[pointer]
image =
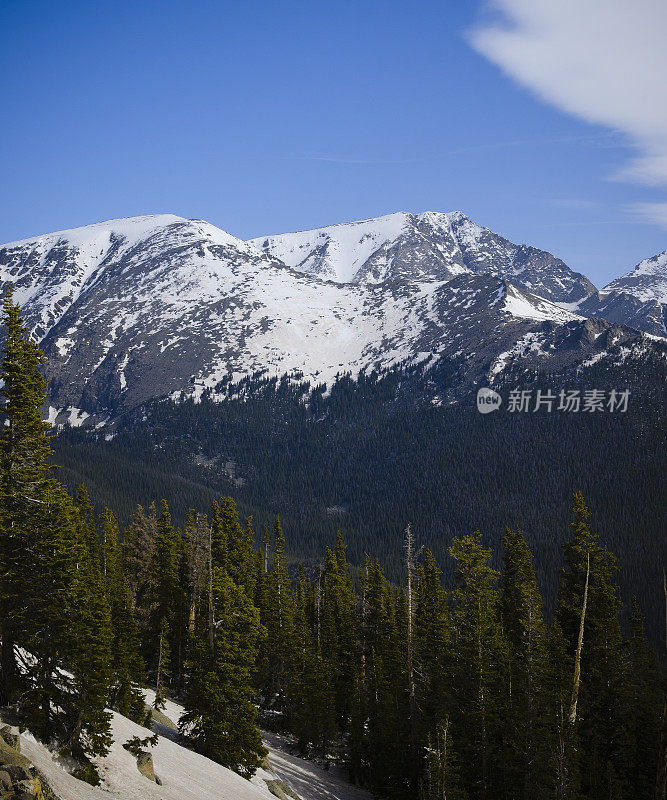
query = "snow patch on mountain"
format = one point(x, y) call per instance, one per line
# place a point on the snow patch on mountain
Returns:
point(336, 252)
point(427, 246)
point(647, 281)
point(150, 307)
point(521, 304)
point(184, 774)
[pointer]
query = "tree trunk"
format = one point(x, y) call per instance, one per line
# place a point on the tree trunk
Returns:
point(7, 665)
point(580, 643)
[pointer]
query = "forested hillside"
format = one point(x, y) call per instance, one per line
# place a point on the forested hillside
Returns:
point(424, 688)
point(368, 455)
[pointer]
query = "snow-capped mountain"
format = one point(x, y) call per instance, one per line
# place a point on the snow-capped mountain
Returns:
point(647, 281)
point(135, 309)
point(428, 246)
point(638, 299)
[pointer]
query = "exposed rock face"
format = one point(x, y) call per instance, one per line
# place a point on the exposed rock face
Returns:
point(163, 719)
point(281, 790)
point(624, 308)
point(647, 281)
point(145, 766)
point(422, 247)
point(638, 299)
point(19, 779)
point(150, 307)
point(10, 738)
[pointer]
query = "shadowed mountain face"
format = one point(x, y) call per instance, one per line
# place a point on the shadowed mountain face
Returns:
point(638, 299)
point(148, 307)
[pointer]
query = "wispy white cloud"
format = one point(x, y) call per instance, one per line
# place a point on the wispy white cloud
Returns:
point(653, 213)
point(604, 61)
point(596, 139)
point(573, 203)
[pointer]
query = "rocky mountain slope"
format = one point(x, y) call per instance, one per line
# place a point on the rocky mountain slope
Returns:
point(429, 246)
point(134, 309)
point(638, 299)
point(647, 281)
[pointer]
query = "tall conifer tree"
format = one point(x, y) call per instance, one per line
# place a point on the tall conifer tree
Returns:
point(603, 705)
point(526, 743)
point(478, 644)
point(54, 614)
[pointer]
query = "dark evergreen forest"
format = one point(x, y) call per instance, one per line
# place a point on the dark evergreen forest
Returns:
point(371, 454)
point(446, 681)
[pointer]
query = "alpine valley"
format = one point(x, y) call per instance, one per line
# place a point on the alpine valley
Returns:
point(332, 374)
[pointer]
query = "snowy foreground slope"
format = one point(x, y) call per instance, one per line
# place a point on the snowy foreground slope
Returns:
point(185, 775)
point(160, 306)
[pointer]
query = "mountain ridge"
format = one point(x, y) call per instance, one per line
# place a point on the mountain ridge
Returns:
point(427, 246)
point(162, 306)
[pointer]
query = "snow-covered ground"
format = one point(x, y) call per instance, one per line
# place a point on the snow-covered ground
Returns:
point(308, 780)
point(186, 775)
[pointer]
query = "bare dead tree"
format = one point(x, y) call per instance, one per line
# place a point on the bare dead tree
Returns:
point(580, 644)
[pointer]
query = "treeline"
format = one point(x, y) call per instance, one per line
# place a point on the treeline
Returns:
point(424, 690)
point(375, 451)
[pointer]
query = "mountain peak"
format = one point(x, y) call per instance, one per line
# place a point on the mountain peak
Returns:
point(647, 280)
point(130, 227)
point(155, 306)
point(429, 246)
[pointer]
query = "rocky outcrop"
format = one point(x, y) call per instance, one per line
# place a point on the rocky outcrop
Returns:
point(281, 790)
point(145, 766)
point(162, 719)
point(19, 778)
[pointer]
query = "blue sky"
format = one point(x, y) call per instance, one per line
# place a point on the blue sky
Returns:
point(264, 117)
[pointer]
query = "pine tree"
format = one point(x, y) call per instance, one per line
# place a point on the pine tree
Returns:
point(442, 775)
point(565, 778)
point(162, 671)
point(197, 537)
point(385, 679)
point(89, 654)
point(336, 626)
point(139, 545)
point(128, 666)
point(54, 614)
point(645, 707)
point(239, 543)
point(434, 655)
point(603, 704)
point(478, 645)
point(220, 716)
point(24, 453)
point(526, 742)
point(277, 617)
point(167, 598)
point(87, 524)
point(310, 694)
